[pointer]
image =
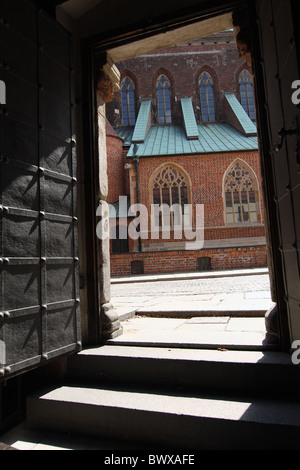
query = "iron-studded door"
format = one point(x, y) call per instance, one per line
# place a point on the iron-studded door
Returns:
point(280, 69)
point(39, 306)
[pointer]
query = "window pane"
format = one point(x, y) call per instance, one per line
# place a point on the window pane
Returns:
point(163, 100)
point(184, 195)
point(203, 93)
point(165, 196)
point(229, 208)
point(175, 195)
point(170, 188)
point(160, 103)
point(253, 208)
point(237, 206)
point(156, 196)
point(245, 207)
point(124, 107)
point(247, 94)
point(252, 197)
point(167, 105)
point(207, 98)
point(211, 113)
point(167, 93)
point(228, 200)
point(128, 106)
point(230, 218)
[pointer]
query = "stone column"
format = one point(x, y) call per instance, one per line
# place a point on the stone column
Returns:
point(107, 82)
point(242, 35)
point(243, 43)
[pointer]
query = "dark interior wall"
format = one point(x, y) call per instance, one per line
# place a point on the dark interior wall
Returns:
point(119, 15)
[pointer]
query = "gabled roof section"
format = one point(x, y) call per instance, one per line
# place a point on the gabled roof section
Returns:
point(126, 134)
point(190, 123)
point(248, 127)
point(143, 122)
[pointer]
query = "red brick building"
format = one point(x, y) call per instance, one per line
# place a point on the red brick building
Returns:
point(182, 132)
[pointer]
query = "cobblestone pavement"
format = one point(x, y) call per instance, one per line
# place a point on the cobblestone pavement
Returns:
point(235, 284)
point(249, 293)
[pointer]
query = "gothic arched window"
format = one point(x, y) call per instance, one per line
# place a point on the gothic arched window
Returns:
point(163, 93)
point(170, 188)
point(247, 94)
point(241, 195)
point(207, 97)
point(128, 102)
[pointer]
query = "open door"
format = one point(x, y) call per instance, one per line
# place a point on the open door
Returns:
point(39, 306)
point(279, 68)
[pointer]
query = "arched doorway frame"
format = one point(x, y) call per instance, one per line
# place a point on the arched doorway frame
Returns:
point(114, 45)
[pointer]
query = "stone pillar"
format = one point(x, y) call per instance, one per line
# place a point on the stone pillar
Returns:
point(107, 82)
point(243, 42)
point(242, 34)
point(272, 327)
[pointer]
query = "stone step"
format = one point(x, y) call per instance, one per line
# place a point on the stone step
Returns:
point(170, 419)
point(258, 372)
point(189, 339)
point(179, 311)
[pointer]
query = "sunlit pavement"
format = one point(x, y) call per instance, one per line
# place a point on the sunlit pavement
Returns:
point(210, 309)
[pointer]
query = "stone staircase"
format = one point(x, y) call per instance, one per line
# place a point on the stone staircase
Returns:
point(176, 398)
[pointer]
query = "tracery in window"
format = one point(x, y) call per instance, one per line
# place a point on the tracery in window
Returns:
point(247, 94)
point(207, 97)
point(163, 92)
point(128, 102)
point(241, 195)
point(170, 188)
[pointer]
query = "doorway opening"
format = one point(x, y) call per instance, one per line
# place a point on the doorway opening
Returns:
point(186, 124)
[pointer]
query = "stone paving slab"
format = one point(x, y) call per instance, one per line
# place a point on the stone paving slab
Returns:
point(208, 320)
point(205, 340)
point(23, 438)
point(236, 333)
point(246, 324)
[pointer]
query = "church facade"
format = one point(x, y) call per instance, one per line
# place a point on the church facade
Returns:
point(184, 173)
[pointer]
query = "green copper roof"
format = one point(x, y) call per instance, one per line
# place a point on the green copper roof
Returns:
point(145, 140)
point(126, 134)
point(172, 140)
point(143, 122)
point(248, 126)
point(189, 118)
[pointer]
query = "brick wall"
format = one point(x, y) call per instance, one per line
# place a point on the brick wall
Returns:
point(206, 173)
point(187, 261)
point(115, 165)
point(183, 66)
